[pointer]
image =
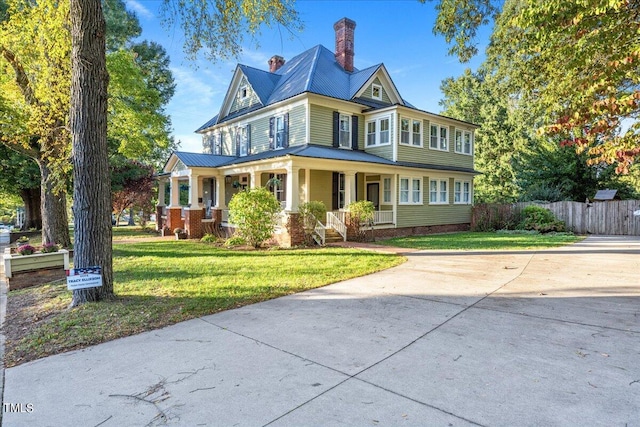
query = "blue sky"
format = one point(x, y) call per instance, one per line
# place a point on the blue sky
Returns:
point(397, 33)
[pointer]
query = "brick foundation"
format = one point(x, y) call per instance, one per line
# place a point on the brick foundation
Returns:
point(174, 219)
point(193, 222)
point(159, 220)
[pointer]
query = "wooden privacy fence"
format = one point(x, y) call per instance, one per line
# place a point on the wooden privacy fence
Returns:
point(613, 217)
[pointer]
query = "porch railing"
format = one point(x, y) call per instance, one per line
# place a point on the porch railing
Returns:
point(383, 217)
point(333, 221)
point(319, 233)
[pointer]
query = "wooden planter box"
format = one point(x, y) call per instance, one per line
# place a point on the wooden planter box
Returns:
point(29, 270)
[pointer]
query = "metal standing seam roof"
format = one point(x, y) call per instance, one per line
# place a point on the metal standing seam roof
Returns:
point(309, 151)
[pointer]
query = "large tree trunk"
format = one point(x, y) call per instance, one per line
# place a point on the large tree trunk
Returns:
point(91, 184)
point(55, 222)
point(32, 213)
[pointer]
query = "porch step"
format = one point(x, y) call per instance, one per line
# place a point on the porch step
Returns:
point(332, 236)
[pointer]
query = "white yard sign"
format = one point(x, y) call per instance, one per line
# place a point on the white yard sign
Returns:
point(81, 278)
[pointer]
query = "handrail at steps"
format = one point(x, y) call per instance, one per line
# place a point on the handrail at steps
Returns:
point(336, 224)
point(319, 233)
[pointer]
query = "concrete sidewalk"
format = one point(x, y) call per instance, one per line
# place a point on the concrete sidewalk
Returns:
point(448, 338)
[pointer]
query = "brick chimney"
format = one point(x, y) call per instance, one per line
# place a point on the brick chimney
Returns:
point(345, 29)
point(275, 63)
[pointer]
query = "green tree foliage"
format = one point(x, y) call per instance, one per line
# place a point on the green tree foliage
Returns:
point(576, 61)
point(131, 186)
point(479, 98)
point(254, 213)
point(222, 27)
point(550, 172)
point(310, 213)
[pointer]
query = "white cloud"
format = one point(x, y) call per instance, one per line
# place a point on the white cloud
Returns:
point(190, 142)
point(139, 9)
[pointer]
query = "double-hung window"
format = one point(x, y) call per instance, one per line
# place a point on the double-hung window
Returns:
point(411, 132)
point(386, 190)
point(438, 193)
point(376, 92)
point(463, 142)
point(217, 144)
point(345, 131)
point(462, 192)
point(411, 191)
point(243, 136)
point(378, 132)
point(439, 137)
point(280, 132)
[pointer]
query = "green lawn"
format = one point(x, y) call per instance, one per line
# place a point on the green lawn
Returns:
point(126, 232)
point(483, 241)
point(164, 282)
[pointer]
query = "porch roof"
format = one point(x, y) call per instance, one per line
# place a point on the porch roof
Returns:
point(309, 151)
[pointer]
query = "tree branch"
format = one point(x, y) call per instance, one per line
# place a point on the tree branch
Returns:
point(21, 76)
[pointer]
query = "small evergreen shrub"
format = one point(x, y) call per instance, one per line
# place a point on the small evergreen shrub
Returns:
point(209, 238)
point(361, 214)
point(540, 219)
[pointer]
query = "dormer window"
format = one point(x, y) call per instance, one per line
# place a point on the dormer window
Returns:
point(376, 92)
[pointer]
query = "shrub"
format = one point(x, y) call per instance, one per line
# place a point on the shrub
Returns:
point(49, 247)
point(360, 213)
point(540, 219)
point(310, 212)
point(22, 240)
point(26, 250)
point(253, 212)
point(209, 238)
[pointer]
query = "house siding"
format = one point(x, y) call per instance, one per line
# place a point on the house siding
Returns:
point(250, 100)
point(427, 215)
point(321, 125)
point(297, 125)
point(321, 187)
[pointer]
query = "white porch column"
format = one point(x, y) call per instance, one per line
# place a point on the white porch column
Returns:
point(253, 179)
point(220, 189)
point(174, 199)
point(161, 190)
point(307, 185)
point(194, 191)
point(349, 187)
point(293, 189)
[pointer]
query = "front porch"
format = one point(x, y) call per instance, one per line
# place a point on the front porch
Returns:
point(198, 196)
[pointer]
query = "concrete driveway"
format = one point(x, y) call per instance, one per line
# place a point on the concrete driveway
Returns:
point(449, 338)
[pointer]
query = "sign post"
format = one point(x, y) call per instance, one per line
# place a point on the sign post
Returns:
point(82, 278)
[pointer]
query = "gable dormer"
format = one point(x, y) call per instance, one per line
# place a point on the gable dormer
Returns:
point(380, 88)
point(240, 96)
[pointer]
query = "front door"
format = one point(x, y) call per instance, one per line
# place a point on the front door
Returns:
point(373, 194)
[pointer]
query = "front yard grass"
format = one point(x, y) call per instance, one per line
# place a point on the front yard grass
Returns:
point(164, 282)
point(484, 241)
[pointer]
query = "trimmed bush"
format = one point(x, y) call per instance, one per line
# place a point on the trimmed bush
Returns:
point(540, 219)
point(254, 212)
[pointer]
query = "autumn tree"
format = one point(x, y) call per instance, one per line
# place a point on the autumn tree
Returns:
point(576, 60)
point(131, 186)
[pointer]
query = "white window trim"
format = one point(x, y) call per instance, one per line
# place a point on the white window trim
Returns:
point(439, 190)
point(379, 87)
point(350, 122)
point(241, 89)
point(462, 135)
point(439, 126)
point(275, 132)
point(461, 182)
point(377, 143)
point(411, 134)
point(244, 141)
point(382, 201)
point(410, 180)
